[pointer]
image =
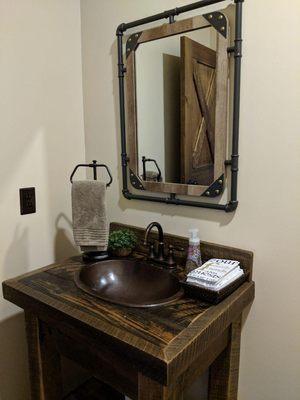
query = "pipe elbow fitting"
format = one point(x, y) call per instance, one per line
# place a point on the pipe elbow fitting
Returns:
point(120, 29)
point(231, 206)
point(126, 194)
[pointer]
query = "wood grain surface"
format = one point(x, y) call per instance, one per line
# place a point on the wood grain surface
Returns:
point(163, 344)
point(94, 390)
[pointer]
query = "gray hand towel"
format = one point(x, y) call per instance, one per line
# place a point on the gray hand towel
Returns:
point(90, 225)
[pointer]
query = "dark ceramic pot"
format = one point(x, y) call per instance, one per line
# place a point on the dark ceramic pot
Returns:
point(122, 252)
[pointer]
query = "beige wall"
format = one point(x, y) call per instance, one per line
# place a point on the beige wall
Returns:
point(268, 218)
point(41, 139)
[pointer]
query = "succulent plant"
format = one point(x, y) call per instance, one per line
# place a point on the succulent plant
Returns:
point(122, 239)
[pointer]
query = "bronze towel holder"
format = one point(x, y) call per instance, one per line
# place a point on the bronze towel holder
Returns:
point(94, 165)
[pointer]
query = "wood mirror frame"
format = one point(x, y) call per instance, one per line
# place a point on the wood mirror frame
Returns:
point(234, 51)
point(215, 188)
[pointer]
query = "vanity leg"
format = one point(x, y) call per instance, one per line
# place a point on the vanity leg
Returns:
point(224, 372)
point(152, 390)
point(44, 361)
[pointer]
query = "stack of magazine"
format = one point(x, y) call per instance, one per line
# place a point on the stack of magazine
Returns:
point(215, 274)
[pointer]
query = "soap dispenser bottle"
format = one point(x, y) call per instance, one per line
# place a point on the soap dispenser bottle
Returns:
point(194, 254)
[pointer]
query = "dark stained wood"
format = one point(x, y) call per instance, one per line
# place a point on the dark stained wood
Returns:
point(50, 364)
point(150, 389)
point(224, 372)
point(219, 116)
point(34, 356)
point(202, 330)
point(162, 349)
point(94, 390)
point(159, 326)
point(44, 360)
point(202, 363)
point(99, 360)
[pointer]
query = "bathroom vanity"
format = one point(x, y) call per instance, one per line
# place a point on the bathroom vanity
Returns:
point(146, 353)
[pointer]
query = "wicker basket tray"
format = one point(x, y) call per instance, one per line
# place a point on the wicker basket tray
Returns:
point(211, 296)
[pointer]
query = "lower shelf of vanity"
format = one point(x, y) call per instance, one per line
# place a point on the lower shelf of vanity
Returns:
point(93, 389)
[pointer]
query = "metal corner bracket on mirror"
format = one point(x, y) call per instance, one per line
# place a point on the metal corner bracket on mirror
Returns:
point(216, 187)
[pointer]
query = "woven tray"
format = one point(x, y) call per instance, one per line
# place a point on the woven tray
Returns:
point(211, 296)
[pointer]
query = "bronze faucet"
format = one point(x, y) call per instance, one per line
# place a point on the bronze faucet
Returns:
point(159, 256)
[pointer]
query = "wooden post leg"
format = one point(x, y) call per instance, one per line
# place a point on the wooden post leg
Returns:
point(152, 390)
point(224, 372)
point(44, 361)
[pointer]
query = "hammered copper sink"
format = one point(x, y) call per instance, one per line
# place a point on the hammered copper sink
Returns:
point(129, 283)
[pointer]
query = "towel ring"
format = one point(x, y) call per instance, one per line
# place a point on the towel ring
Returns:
point(94, 165)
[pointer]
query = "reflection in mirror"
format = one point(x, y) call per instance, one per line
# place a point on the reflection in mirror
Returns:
point(176, 98)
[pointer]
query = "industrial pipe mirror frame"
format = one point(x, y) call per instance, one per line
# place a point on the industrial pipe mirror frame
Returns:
point(233, 162)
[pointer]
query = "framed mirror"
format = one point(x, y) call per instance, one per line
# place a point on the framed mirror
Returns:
point(174, 99)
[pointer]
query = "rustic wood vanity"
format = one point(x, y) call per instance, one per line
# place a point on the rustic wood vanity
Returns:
point(144, 353)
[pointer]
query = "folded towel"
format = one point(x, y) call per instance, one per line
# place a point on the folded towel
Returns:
point(90, 225)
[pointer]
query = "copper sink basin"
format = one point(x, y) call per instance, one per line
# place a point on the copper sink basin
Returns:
point(129, 283)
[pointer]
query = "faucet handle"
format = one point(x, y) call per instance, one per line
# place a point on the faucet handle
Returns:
point(170, 259)
point(175, 248)
point(160, 251)
point(151, 254)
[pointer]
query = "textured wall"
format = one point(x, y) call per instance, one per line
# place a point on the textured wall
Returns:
point(268, 218)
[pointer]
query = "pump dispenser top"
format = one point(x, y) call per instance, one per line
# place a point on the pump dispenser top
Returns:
point(194, 237)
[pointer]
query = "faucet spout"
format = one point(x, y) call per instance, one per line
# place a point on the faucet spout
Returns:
point(160, 255)
point(149, 229)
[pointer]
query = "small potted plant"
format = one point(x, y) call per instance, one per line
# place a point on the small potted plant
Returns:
point(122, 242)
